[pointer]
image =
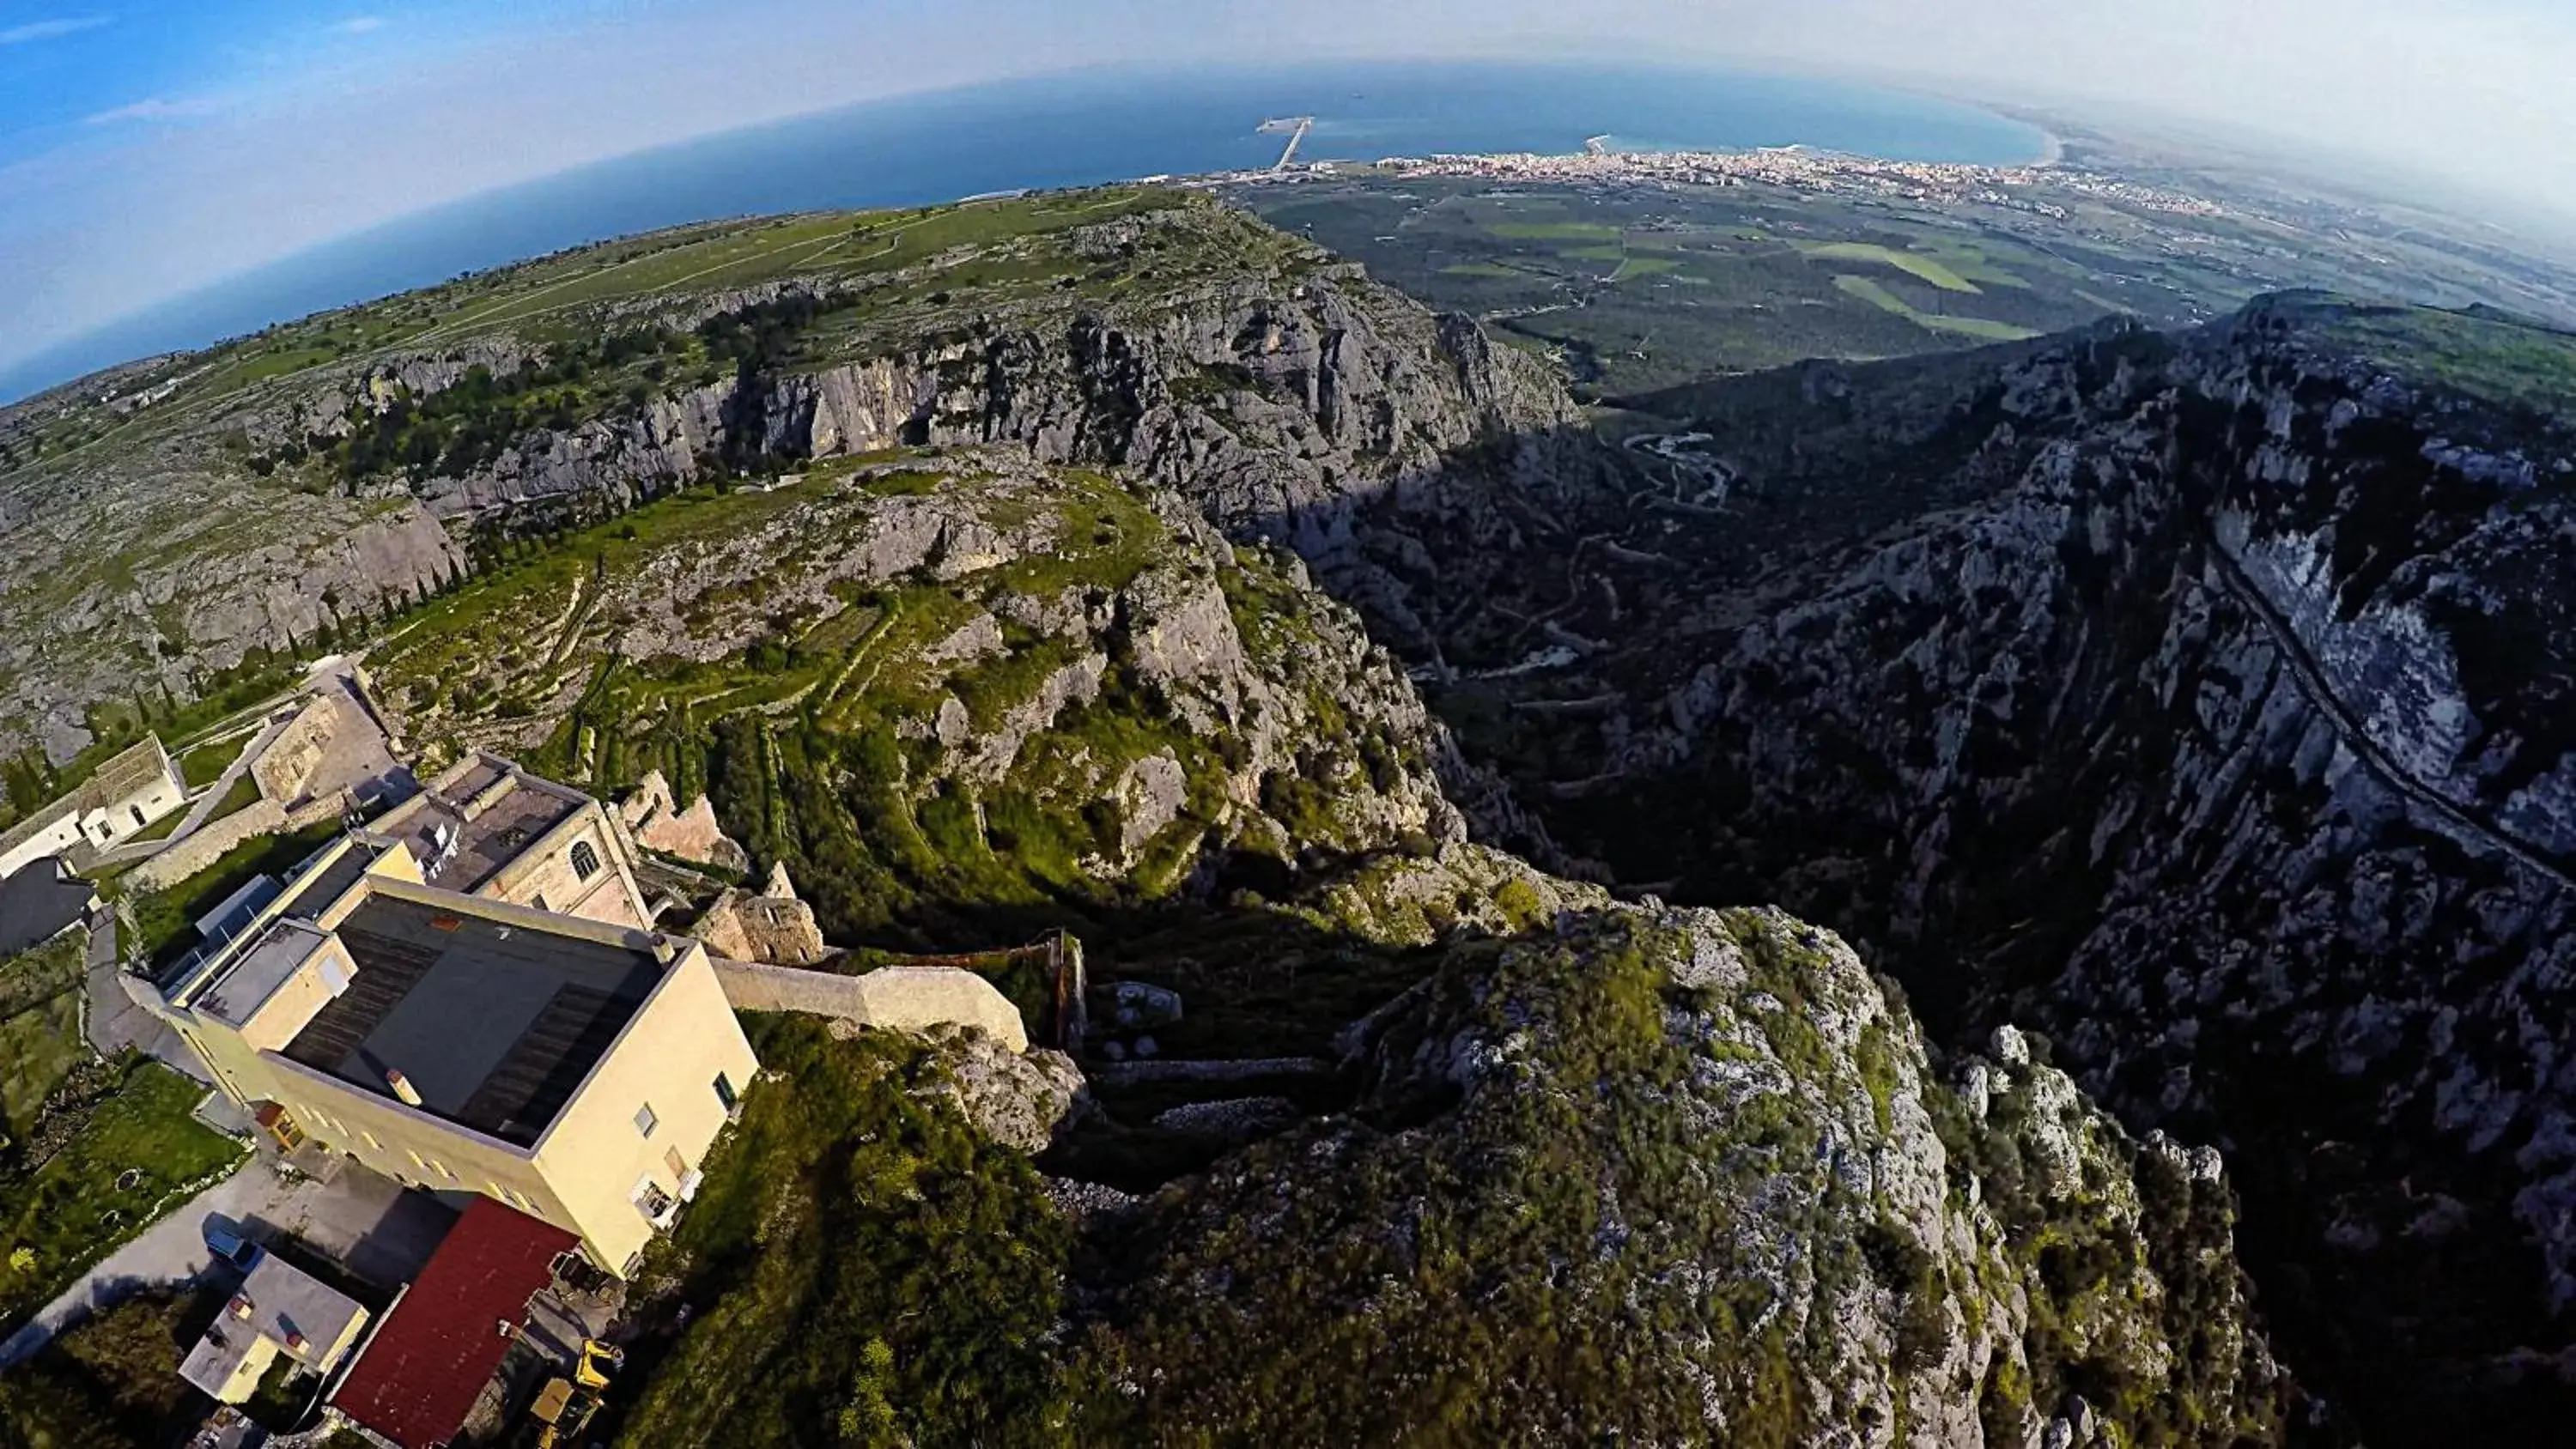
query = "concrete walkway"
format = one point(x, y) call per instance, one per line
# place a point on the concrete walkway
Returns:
point(380, 1231)
point(112, 1020)
point(223, 786)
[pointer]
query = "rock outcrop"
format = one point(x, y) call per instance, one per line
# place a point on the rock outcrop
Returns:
point(2197, 700)
point(1075, 684)
point(1687, 1176)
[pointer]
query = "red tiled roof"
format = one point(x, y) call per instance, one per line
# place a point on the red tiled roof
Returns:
point(420, 1375)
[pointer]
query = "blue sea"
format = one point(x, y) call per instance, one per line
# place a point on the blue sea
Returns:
point(1066, 130)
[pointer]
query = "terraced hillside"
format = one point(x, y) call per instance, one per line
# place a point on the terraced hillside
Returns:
point(942, 682)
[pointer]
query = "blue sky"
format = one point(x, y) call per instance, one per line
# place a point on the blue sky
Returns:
point(148, 151)
point(71, 74)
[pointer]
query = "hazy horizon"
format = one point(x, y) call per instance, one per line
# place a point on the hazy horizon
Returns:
point(142, 161)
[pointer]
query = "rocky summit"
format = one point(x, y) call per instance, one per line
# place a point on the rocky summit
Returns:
point(2156, 744)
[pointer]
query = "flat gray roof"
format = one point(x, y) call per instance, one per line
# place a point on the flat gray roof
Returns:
point(255, 974)
point(519, 813)
point(494, 1024)
point(39, 903)
point(284, 1300)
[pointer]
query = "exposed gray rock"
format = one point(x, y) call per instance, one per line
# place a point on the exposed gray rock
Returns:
point(1232, 1120)
point(1136, 1004)
point(1723, 1174)
point(1021, 1098)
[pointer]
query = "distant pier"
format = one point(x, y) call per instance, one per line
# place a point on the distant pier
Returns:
point(1296, 127)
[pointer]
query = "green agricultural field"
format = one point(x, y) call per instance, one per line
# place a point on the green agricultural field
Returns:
point(1975, 263)
point(243, 794)
point(1752, 281)
point(206, 764)
point(38, 1048)
point(139, 1153)
point(112, 1380)
point(1977, 327)
point(1911, 263)
point(1554, 230)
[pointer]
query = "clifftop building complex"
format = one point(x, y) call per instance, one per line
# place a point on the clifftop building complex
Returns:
point(131, 793)
point(488, 828)
point(467, 998)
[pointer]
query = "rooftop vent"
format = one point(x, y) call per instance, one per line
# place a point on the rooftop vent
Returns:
point(403, 1089)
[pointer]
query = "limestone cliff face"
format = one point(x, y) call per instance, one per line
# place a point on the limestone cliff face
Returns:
point(1273, 387)
point(1274, 406)
point(1687, 1176)
point(2215, 725)
point(203, 571)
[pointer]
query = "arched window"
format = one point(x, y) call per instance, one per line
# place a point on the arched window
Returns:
point(585, 861)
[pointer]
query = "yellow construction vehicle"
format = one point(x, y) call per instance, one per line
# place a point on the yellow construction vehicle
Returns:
point(566, 1407)
point(598, 1362)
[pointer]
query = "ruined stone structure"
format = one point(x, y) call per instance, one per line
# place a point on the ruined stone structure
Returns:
point(775, 929)
point(655, 820)
point(287, 766)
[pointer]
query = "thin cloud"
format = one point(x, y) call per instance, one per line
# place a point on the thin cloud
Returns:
point(359, 25)
point(154, 108)
point(51, 29)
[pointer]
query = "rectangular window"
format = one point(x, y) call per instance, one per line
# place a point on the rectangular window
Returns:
point(679, 1165)
point(441, 1169)
point(724, 1091)
point(645, 1121)
point(417, 1160)
point(372, 1143)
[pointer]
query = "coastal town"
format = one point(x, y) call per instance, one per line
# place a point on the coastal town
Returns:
point(1797, 168)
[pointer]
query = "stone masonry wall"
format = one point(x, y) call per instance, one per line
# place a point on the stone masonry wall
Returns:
point(208, 844)
point(893, 998)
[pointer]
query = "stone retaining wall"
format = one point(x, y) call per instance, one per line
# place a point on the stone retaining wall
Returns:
point(1248, 1069)
point(207, 844)
point(891, 998)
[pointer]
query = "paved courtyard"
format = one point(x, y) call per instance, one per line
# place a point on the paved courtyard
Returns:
point(372, 1225)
